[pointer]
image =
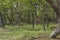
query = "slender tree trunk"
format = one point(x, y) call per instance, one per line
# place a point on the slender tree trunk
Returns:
point(29, 18)
point(36, 9)
point(43, 21)
point(1, 21)
point(32, 15)
point(47, 21)
point(18, 19)
point(4, 19)
point(12, 15)
point(32, 19)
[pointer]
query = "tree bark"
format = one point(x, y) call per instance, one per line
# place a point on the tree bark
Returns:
point(56, 7)
point(56, 32)
point(1, 21)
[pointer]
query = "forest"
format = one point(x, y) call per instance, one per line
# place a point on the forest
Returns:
point(29, 19)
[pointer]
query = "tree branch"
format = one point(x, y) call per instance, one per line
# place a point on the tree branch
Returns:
point(54, 6)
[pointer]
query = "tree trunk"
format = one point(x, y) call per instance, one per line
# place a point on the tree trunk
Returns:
point(36, 9)
point(56, 32)
point(43, 22)
point(18, 19)
point(47, 21)
point(1, 21)
point(32, 19)
point(56, 7)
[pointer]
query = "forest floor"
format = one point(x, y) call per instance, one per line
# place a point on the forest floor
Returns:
point(25, 32)
point(41, 37)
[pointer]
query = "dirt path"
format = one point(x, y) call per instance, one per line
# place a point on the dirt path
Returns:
point(40, 37)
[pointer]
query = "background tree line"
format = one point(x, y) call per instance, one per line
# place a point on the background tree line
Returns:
point(16, 12)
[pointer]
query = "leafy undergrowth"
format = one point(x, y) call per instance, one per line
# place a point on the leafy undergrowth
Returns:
point(22, 32)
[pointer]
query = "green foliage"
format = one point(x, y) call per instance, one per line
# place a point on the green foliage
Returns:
point(26, 7)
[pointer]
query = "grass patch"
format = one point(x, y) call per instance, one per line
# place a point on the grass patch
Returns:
point(19, 32)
